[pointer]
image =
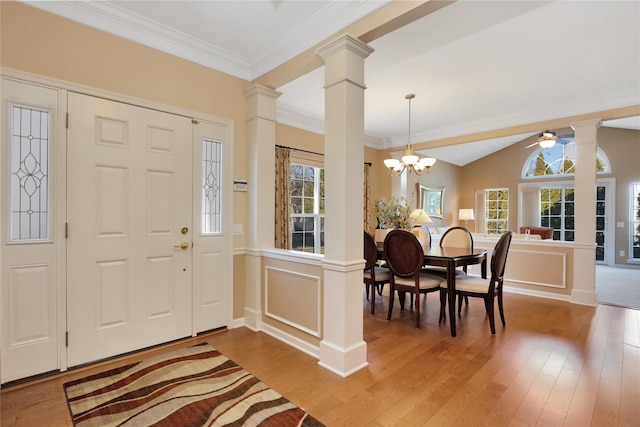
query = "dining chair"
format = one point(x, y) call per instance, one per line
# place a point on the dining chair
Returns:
point(423, 235)
point(487, 289)
point(374, 276)
point(405, 258)
point(454, 237)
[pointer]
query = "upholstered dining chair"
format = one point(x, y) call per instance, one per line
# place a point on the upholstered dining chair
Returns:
point(374, 276)
point(423, 235)
point(487, 289)
point(454, 237)
point(405, 257)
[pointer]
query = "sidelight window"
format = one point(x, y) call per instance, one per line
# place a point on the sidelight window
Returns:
point(211, 209)
point(30, 158)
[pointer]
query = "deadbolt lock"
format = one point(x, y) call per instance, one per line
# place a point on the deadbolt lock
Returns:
point(184, 230)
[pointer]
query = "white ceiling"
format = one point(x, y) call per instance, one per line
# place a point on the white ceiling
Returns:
point(474, 65)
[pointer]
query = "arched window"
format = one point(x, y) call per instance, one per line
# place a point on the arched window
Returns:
point(559, 160)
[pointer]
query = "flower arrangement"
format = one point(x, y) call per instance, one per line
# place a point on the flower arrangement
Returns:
point(394, 213)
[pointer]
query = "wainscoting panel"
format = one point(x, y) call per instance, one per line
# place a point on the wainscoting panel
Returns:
point(536, 268)
point(293, 298)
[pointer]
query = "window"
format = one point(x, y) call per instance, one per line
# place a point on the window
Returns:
point(30, 130)
point(635, 222)
point(559, 160)
point(307, 208)
point(211, 209)
point(557, 211)
point(497, 210)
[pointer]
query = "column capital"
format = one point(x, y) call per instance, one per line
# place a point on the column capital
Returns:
point(588, 128)
point(346, 42)
point(261, 102)
point(256, 89)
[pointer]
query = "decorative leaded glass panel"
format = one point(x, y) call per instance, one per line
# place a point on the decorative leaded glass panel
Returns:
point(30, 148)
point(211, 187)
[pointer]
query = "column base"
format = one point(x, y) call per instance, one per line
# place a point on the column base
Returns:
point(343, 361)
point(583, 297)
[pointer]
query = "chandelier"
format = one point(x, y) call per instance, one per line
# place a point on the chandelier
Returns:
point(410, 161)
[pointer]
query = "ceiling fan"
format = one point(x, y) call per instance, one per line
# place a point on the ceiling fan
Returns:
point(548, 139)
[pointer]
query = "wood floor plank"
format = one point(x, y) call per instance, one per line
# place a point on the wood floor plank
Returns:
point(554, 364)
point(607, 404)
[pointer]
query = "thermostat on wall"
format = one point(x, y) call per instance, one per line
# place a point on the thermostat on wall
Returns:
point(239, 185)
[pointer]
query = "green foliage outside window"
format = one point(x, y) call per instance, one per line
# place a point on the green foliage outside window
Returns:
point(558, 160)
point(307, 208)
point(497, 210)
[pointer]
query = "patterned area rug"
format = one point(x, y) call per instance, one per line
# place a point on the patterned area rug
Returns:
point(195, 386)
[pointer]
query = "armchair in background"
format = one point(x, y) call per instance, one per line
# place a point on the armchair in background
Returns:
point(543, 232)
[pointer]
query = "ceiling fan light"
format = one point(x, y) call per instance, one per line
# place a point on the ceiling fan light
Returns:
point(546, 143)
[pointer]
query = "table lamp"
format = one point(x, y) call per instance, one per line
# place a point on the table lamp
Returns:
point(419, 216)
point(466, 215)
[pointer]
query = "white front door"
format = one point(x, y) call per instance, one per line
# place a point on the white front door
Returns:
point(129, 210)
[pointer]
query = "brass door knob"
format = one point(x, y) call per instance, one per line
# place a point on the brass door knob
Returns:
point(183, 245)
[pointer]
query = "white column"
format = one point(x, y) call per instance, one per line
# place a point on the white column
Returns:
point(584, 254)
point(261, 134)
point(342, 349)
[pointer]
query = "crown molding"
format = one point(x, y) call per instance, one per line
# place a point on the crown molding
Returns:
point(332, 19)
point(111, 18)
point(108, 17)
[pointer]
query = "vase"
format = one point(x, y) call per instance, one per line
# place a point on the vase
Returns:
point(381, 233)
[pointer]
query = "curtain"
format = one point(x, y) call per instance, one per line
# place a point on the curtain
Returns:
point(367, 202)
point(283, 179)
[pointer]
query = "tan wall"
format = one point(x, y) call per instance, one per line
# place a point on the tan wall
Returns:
point(539, 266)
point(442, 174)
point(504, 169)
point(285, 285)
point(45, 44)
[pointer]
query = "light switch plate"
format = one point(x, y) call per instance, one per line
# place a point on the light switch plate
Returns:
point(238, 229)
point(620, 224)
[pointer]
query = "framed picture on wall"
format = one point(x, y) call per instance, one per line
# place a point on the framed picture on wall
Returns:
point(431, 200)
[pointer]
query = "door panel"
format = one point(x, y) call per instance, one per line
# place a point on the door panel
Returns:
point(211, 235)
point(29, 269)
point(129, 195)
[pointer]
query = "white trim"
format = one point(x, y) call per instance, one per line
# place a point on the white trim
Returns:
point(114, 19)
point(58, 227)
point(630, 259)
point(289, 339)
point(538, 294)
point(293, 256)
point(314, 332)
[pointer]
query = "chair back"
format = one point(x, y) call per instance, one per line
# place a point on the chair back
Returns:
point(403, 253)
point(370, 252)
point(457, 237)
point(423, 235)
point(499, 256)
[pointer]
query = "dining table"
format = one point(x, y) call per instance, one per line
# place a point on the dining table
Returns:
point(451, 258)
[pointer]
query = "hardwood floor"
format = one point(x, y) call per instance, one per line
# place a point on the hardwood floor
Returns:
point(554, 363)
